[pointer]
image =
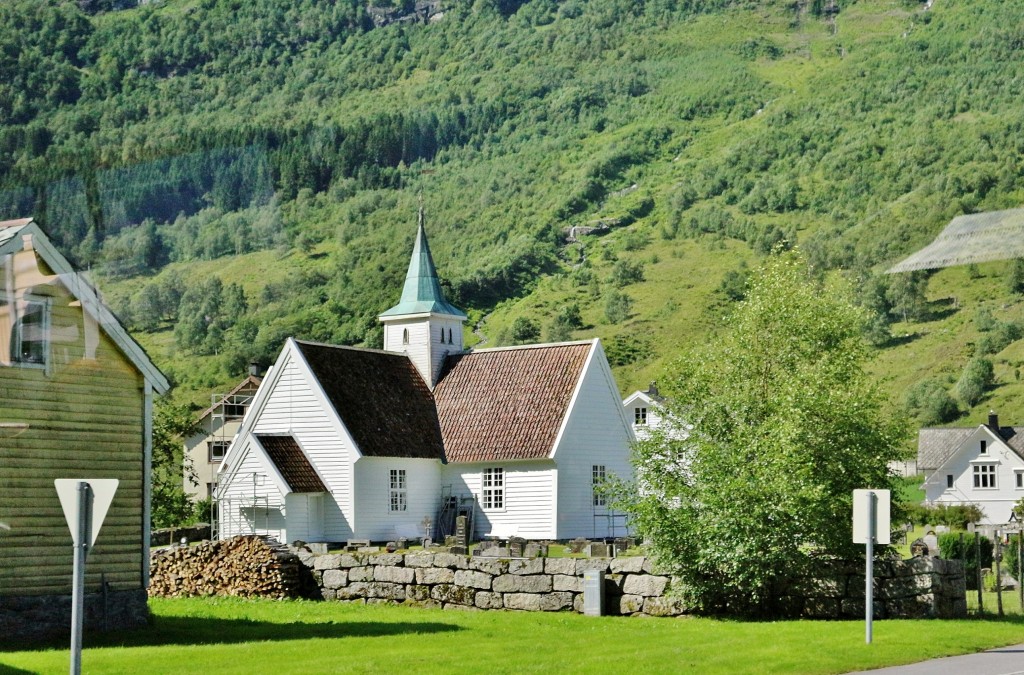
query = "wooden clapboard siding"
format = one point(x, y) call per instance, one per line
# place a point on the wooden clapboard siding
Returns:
point(596, 433)
point(529, 496)
point(85, 419)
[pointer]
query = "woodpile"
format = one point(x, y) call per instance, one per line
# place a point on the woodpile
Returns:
point(242, 566)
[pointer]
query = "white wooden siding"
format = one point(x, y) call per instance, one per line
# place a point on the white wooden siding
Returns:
point(425, 348)
point(529, 496)
point(248, 500)
point(596, 433)
point(374, 519)
point(294, 407)
point(996, 503)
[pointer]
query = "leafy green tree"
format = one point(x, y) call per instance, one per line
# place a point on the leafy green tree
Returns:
point(976, 379)
point(1015, 278)
point(525, 330)
point(170, 506)
point(929, 402)
point(906, 294)
point(617, 306)
point(786, 424)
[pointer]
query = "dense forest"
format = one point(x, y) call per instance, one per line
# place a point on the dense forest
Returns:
point(238, 172)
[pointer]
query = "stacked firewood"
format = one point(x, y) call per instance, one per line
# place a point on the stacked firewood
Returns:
point(243, 566)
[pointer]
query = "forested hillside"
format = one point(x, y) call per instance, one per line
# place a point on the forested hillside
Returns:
point(235, 172)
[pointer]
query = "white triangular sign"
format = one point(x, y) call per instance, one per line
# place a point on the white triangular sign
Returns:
point(103, 490)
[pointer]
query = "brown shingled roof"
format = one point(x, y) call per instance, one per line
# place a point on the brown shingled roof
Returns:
point(936, 445)
point(381, 399)
point(291, 462)
point(504, 404)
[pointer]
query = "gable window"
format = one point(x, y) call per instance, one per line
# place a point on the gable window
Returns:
point(984, 475)
point(450, 341)
point(398, 490)
point(984, 447)
point(949, 480)
point(1020, 479)
point(405, 336)
point(493, 489)
point(597, 474)
point(30, 335)
point(217, 450)
point(639, 416)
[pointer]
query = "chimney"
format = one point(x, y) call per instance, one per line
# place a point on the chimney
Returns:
point(652, 389)
point(993, 421)
point(254, 369)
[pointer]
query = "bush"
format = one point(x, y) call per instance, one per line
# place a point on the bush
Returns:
point(617, 307)
point(625, 273)
point(525, 330)
point(960, 546)
point(977, 377)
point(930, 403)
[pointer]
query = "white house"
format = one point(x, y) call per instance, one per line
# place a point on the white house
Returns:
point(343, 443)
point(218, 424)
point(647, 413)
point(981, 465)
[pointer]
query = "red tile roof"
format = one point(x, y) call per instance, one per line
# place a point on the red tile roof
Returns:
point(292, 464)
point(381, 399)
point(502, 404)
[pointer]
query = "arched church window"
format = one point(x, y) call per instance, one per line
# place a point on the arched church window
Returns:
point(405, 336)
point(450, 341)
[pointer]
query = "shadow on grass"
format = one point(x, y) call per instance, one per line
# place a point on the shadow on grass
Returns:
point(193, 631)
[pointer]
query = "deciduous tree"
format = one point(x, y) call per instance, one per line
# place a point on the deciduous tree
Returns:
point(786, 424)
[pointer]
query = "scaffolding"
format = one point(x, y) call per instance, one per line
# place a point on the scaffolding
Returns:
point(450, 508)
point(241, 514)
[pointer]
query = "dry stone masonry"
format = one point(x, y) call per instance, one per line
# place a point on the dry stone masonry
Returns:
point(916, 588)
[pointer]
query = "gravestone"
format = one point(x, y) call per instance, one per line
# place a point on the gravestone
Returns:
point(461, 535)
point(623, 544)
point(578, 544)
point(515, 546)
point(597, 550)
point(427, 543)
point(932, 542)
point(919, 549)
point(534, 550)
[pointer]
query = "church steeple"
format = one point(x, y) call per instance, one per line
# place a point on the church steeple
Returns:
point(422, 291)
point(423, 324)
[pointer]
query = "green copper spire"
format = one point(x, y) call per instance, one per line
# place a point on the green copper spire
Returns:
point(422, 293)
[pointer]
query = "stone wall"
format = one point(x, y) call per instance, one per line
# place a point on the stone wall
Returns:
point(459, 581)
point(916, 588)
point(39, 617)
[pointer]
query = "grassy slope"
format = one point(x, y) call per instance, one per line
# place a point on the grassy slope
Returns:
point(675, 305)
point(238, 636)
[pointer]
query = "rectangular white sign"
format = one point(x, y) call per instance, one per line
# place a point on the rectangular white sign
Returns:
point(860, 516)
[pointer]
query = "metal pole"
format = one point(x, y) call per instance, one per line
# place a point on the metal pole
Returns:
point(999, 581)
point(1020, 565)
point(869, 585)
point(78, 581)
point(977, 564)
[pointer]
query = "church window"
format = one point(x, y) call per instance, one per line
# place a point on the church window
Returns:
point(405, 336)
point(597, 480)
point(493, 489)
point(450, 341)
point(398, 490)
point(984, 475)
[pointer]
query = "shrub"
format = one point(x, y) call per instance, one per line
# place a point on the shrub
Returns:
point(960, 546)
point(977, 377)
point(625, 273)
point(617, 307)
point(930, 403)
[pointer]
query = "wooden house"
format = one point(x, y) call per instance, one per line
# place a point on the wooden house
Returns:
point(218, 424)
point(76, 401)
point(344, 443)
point(981, 465)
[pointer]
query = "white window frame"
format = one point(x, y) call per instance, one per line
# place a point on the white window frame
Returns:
point(17, 336)
point(983, 448)
point(398, 491)
point(985, 473)
point(598, 475)
point(1018, 479)
point(640, 416)
point(492, 489)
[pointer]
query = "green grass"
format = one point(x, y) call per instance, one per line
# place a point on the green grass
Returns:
point(228, 635)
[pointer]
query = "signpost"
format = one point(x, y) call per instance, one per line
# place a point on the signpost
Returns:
point(870, 527)
point(85, 502)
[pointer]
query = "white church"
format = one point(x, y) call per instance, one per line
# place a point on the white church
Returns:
point(347, 443)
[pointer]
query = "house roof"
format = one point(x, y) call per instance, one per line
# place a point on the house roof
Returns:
point(292, 463)
point(82, 291)
point(250, 380)
point(422, 291)
point(501, 404)
point(936, 445)
point(381, 399)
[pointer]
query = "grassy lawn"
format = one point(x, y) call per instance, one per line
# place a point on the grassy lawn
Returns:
point(241, 636)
